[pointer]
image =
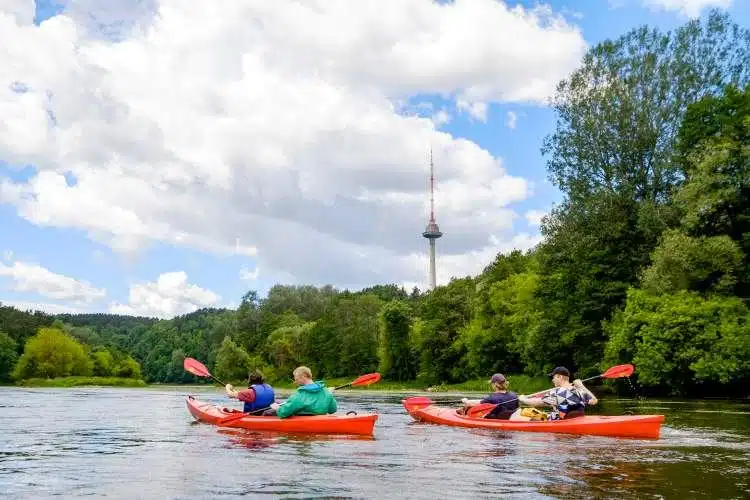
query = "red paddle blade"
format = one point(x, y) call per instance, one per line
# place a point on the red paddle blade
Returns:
point(417, 402)
point(195, 367)
point(619, 371)
point(368, 379)
point(480, 410)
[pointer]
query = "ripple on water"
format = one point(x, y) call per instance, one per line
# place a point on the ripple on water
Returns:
point(132, 442)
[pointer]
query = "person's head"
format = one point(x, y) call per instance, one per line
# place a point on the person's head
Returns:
point(499, 382)
point(560, 376)
point(302, 375)
point(254, 377)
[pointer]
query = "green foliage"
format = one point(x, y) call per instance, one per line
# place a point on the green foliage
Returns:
point(344, 341)
point(104, 363)
point(232, 361)
point(83, 381)
point(397, 358)
point(618, 114)
point(681, 262)
point(443, 312)
point(679, 339)
point(52, 353)
point(8, 356)
point(287, 348)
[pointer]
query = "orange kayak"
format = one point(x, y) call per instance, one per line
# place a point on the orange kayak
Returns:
point(314, 424)
point(634, 426)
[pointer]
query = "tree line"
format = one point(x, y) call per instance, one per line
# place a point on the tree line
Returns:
point(644, 261)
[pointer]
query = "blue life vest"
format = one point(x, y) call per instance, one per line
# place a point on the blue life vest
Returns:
point(264, 396)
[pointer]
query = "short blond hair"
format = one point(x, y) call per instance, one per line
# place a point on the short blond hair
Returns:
point(302, 371)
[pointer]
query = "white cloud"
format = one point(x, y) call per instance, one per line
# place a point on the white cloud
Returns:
point(534, 217)
point(248, 275)
point(688, 8)
point(475, 109)
point(36, 279)
point(170, 295)
point(511, 120)
point(276, 122)
point(441, 118)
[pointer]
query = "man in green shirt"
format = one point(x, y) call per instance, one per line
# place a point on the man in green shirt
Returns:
point(311, 398)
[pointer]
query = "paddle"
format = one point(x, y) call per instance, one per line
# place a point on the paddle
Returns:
point(197, 368)
point(619, 371)
point(362, 380)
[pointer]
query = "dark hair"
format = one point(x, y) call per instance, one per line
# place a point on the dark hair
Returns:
point(255, 377)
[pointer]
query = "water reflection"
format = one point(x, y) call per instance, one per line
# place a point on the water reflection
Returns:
point(97, 442)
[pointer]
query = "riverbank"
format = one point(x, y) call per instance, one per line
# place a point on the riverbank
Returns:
point(521, 384)
point(82, 382)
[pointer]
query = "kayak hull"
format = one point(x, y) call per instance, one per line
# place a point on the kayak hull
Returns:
point(362, 425)
point(632, 426)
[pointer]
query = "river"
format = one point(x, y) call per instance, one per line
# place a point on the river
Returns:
point(142, 443)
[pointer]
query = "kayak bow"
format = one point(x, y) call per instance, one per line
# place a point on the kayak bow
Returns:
point(314, 424)
point(633, 426)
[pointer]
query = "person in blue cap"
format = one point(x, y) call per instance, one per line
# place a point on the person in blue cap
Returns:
point(506, 401)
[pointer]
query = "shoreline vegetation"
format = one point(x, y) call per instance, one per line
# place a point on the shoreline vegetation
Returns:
point(645, 260)
point(520, 384)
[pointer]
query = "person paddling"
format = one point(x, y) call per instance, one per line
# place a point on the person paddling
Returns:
point(311, 398)
point(258, 396)
point(568, 400)
point(506, 401)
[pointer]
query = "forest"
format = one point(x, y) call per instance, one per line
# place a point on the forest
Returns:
point(645, 260)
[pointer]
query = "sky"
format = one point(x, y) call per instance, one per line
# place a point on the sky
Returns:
point(160, 156)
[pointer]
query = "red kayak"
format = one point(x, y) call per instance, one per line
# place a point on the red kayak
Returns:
point(634, 426)
point(314, 424)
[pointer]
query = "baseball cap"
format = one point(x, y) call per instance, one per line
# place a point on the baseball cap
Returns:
point(561, 370)
point(497, 378)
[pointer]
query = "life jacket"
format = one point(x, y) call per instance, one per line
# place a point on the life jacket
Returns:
point(264, 396)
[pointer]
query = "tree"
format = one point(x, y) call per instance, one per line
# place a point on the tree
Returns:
point(680, 339)
point(397, 360)
point(8, 356)
point(618, 114)
point(232, 361)
point(52, 353)
point(715, 199)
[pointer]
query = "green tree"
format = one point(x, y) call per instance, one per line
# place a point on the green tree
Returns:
point(397, 360)
point(103, 363)
point(704, 264)
point(713, 147)
point(287, 347)
point(682, 339)
point(232, 361)
point(128, 368)
point(8, 356)
point(52, 353)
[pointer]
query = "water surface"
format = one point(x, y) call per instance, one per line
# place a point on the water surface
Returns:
point(142, 443)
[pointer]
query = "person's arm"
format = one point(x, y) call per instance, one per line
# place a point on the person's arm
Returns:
point(230, 391)
point(591, 400)
point(289, 407)
point(472, 402)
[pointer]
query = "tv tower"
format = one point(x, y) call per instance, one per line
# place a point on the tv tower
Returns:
point(432, 231)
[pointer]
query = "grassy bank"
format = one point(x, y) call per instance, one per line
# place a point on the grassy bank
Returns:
point(82, 381)
point(521, 384)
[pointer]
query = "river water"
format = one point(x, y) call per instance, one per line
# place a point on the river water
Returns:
point(142, 443)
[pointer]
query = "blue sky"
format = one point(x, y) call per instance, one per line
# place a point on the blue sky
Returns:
point(46, 255)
